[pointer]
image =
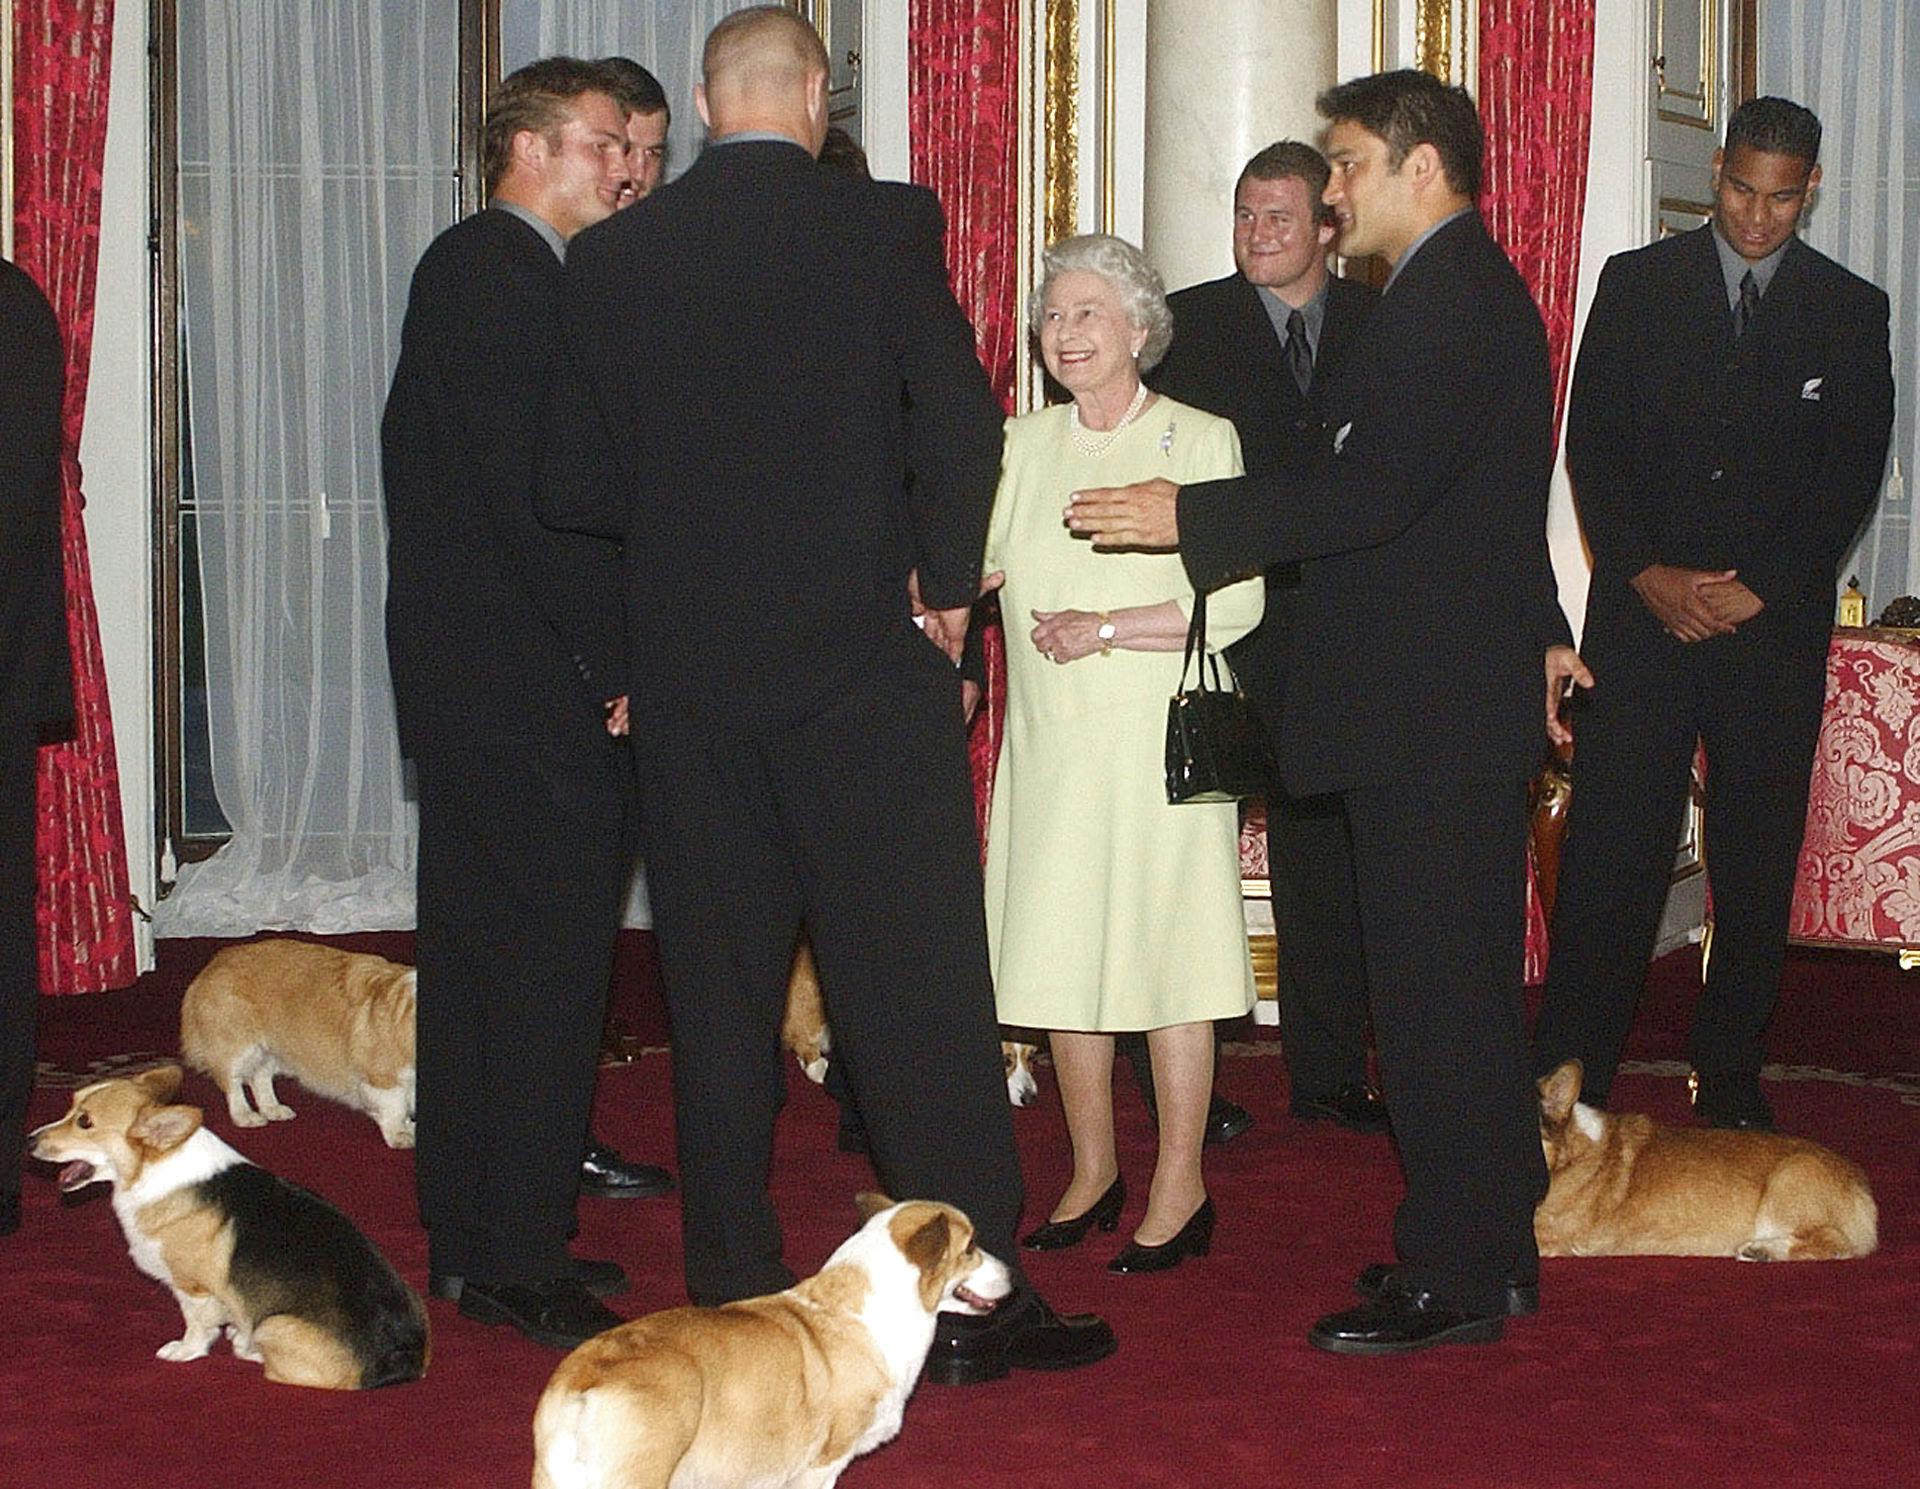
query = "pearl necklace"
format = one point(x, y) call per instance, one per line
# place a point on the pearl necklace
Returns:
point(1090, 443)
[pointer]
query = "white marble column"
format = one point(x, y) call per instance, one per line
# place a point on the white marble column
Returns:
point(1224, 79)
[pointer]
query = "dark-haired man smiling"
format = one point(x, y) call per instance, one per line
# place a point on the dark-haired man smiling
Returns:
point(1428, 490)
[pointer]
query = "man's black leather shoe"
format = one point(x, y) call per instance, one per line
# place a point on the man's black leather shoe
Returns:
point(559, 1314)
point(606, 1175)
point(1226, 1120)
point(1732, 1101)
point(1356, 1106)
point(9, 1214)
point(1023, 1333)
point(1402, 1322)
point(1382, 1278)
point(604, 1279)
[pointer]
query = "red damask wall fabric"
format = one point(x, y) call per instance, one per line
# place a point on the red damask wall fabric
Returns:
point(963, 64)
point(62, 49)
point(1536, 96)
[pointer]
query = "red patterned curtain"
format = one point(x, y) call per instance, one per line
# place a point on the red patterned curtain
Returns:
point(963, 100)
point(62, 49)
point(1536, 92)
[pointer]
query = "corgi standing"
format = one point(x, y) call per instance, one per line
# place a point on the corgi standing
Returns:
point(339, 1022)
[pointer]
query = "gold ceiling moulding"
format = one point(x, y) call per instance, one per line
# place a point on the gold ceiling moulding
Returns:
point(1063, 120)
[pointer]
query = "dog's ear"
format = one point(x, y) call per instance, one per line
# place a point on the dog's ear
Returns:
point(870, 1203)
point(161, 1129)
point(1559, 1091)
point(162, 1083)
point(927, 1249)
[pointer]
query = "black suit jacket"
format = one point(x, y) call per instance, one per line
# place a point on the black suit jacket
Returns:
point(494, 622)
point(1419, 522)
point(1687, 447)
point(36, 690)
point(1226, 359)
point(775, 403)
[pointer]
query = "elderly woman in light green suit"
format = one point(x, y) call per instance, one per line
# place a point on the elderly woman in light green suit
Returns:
point(1107, 909)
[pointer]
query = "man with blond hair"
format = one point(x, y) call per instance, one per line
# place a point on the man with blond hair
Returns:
point(799, 742)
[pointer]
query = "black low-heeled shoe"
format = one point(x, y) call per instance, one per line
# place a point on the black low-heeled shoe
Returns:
point(1195, 1238)
point(1057, 1235)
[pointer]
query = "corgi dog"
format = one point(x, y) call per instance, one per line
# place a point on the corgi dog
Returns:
point(1628, 1186)
point(776, 1391)
point(805, 1032)
point(1022, 1088)
point(295, 1286)
point(339, 1022)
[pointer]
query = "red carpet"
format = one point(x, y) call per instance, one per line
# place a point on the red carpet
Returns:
point(1637, 1373)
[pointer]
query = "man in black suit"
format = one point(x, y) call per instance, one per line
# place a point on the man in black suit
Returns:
point(1254, 347)
point(798, 741)
point(36, 686)
point(508, 678)
point(1414, 674)
point(1727, 432)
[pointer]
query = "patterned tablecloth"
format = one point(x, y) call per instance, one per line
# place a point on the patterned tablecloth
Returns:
point(1859, 879)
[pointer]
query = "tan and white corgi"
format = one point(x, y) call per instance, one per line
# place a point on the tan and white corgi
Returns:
point(777, 1391)
point(338, 1022)
point(1628, 1186)
point(295, 1286)
point(805, 1032)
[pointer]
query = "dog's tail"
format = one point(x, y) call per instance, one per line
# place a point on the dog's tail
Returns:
point(1859, 1220)
point(611, 1435)
point(581, 1440)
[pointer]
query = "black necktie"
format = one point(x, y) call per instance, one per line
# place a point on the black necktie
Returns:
point(1749, 305)
point(1299, 352)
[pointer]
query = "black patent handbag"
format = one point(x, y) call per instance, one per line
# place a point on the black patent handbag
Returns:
point(1217, 747)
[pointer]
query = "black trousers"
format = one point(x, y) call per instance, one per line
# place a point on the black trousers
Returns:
point(19, 958)
point(1442, 875)
point(524, 853)
point(1754, 698)
point(857, 817)
point(1322, 965)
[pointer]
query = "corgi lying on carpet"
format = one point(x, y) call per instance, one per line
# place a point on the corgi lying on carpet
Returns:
point(338, 1022)
point(294, 1285)
point(1627, 1186)
point(776, 1391)
point(805, 1032)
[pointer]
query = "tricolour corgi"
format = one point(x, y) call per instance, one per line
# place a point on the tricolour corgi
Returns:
point(1628, 1186)
point(338, 1022)
point(805, 1032)
point(770, 1392)
point(294, 1285)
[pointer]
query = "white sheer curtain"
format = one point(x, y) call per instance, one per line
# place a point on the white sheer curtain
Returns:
point(664, 36)
point(316, 154)
point(1856, 63)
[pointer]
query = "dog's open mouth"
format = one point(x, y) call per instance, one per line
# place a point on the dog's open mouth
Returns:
point(75, 1175)
point(966, 1295)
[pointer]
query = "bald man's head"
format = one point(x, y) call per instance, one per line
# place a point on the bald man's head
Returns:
point(765, 68)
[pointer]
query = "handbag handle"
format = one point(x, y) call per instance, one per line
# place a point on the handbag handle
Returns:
point(1197, 642)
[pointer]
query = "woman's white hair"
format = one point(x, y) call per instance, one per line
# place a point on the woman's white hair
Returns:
point(1143, 298)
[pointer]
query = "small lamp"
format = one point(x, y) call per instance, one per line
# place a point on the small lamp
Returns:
point(1853, 604)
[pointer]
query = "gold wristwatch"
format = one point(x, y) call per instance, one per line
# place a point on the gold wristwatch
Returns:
point(1106, 633)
